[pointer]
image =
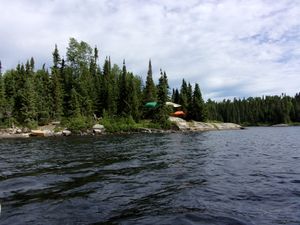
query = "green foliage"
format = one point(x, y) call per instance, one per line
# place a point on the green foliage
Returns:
point(198, 110)
point(57, 86)
point(162, 112)
point(150, 92)
point(256, 111)
point(183, 96)
point(78, 89)
point(79, 123)
point(79, 55)
point(118, 124)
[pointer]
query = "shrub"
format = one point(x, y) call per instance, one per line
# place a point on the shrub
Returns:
point(79, 123)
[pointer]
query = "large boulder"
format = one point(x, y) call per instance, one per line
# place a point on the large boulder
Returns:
point(98, 129)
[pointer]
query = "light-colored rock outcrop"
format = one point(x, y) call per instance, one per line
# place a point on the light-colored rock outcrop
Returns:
point(184, 125)
point(66, 133)
point(41, 133)
point(98, 129)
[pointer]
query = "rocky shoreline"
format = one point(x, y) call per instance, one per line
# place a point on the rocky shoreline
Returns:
point(184, 125)
point(181, 125)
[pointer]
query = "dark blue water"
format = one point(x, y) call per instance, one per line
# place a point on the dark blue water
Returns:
point(229, 177)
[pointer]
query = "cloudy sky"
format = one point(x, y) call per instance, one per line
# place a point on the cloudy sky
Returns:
point(232, 48)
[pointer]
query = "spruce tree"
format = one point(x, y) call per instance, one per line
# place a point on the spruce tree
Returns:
point(162, 114)
point(189, 97)
point(199, 112)
point(44, 101)
point(183, 96)
point(74, 110)
point(133, 98)
point(28, 109)
point(150, 93)
point(123, 105)
point(57, 87)
point(176, 96)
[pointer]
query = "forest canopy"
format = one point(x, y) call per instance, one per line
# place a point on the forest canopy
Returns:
point(76, 87)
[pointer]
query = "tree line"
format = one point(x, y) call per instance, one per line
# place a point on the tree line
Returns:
point(256, 111)
point(78, 87)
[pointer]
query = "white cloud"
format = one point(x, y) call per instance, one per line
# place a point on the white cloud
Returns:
point(232, 48)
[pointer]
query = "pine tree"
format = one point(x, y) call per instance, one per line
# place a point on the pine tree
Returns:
point(28, 109)
point(57, 89)
point(183, 96)
point(108, 88)
point(189, 97)
point(150, 89)
point(123, 105)
point(176, 96)
point(133, 98)
point(162, 114)
point(44, 101)
point(74, 110)
point(199, 112)
point(162, 88)
point(93, 70)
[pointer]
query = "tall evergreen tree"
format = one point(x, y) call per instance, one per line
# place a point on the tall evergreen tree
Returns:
point(189, 97)
point(74, 110)
point(123, 105)
point(44, 101)
point(162, 114)
point(28, 109)
point(176, 97)
point(133, 98)
point(183, 96)
point(57, 86)
point(150, 93)
point(198, 112)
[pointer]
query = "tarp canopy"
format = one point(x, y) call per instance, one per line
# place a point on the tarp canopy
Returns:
point(178, 113)
point(151, 104)
point(173, 104)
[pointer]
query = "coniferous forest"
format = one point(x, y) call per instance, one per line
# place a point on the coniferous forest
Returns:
point(266, 110)
point(77, 90)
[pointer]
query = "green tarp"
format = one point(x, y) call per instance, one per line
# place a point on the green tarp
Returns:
point(151, 104)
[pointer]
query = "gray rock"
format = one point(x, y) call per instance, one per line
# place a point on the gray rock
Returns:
point(98, 126)
point(18, 131)
point(11, 131)
point(97, 131)
point(280, 125)
point(145, 130)
point(184, 125)
point(58, 134)
point(66, 132)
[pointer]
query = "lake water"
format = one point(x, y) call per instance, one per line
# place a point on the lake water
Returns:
point(235, 177)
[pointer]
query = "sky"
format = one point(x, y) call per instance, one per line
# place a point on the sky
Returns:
point(232, 48)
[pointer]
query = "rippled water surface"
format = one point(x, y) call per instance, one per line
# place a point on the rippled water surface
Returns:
point(248, 176)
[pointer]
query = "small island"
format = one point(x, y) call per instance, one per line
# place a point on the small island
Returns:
point(78, 96)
